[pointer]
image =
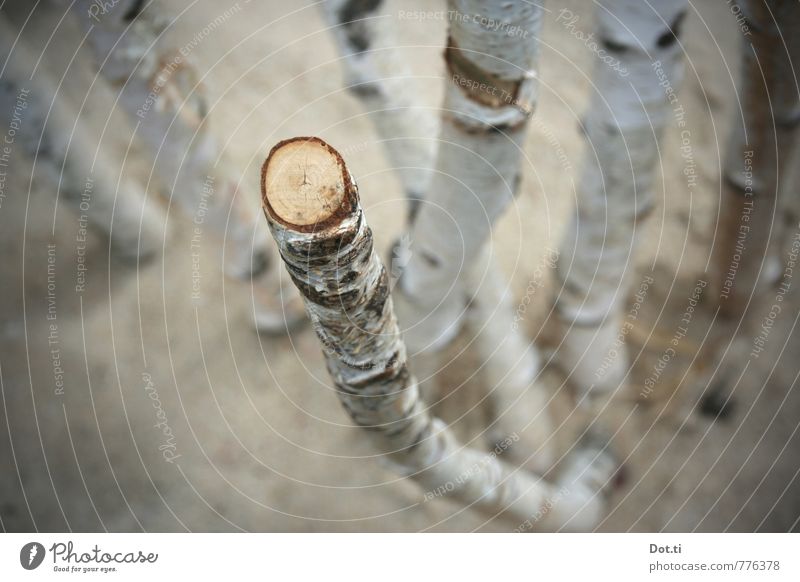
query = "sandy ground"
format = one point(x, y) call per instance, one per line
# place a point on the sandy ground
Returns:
point(262, 442)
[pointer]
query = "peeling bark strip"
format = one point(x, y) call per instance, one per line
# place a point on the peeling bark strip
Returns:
point(758, 179)
point(488, 100)
point(379, 76)
point(625, 120)
point(312, 206)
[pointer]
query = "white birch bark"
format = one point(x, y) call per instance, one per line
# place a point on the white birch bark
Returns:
point(381, 79)
point(627, 115)
point(509, 366)
point(759, 169)
point(312, 206)
point(71, 159)
point(489, 96)
point(159, 91)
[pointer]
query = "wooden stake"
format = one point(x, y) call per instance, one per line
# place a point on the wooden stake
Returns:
point(312, 206)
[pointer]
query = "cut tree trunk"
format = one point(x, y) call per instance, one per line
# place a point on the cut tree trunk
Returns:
point(627, 115)
point(311, 203)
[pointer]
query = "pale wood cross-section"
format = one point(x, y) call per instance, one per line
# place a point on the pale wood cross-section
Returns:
point(306, 182)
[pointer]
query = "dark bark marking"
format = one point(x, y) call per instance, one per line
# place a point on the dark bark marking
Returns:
point(134, 11)
point(671, 35)
point(350, 15)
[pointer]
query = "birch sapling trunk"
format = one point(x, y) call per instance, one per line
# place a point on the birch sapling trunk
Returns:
point(509, 365)
point(625, 120)
point(747, 250)
point(160, 92)
point(378, 75)
point(311, 203)
point(489, 97)
point(66, 152)
point(759, 205)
